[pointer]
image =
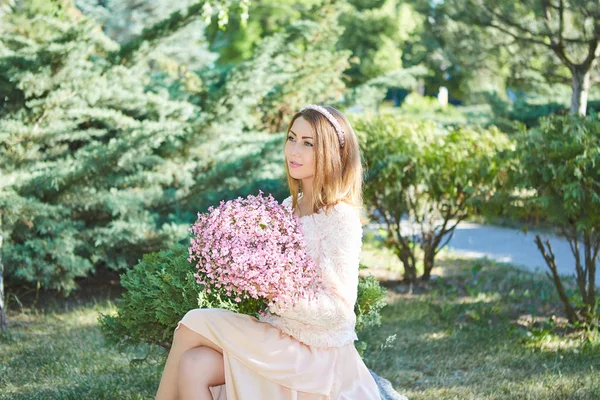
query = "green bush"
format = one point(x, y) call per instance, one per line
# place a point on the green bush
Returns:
point(508, 116)
point(428, 175)
point(556, 175)
point(415, 103)
point(161, 289)
point(370, 301)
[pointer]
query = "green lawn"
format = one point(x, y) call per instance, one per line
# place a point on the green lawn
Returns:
point(482, 330)
point(479, 331)
point(63, 356)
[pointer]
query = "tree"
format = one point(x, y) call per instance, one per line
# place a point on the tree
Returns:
point(553, 174)
point(567, 29)
point(465, 64)
point(267, 17)
point(80, 149)
point(421, 183)
point(92, 150)
point(375, 31)
point(289, 69)
point(184, 46)
point(105, 160)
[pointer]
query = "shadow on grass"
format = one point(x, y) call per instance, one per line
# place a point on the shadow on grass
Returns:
point(104, 286)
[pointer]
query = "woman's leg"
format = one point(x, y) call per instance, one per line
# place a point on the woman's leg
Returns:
point(184, 339)
point(200, 368)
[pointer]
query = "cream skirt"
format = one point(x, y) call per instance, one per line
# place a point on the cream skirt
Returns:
point(261, 362)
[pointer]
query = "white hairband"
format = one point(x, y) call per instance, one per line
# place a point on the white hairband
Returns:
point(331, 118)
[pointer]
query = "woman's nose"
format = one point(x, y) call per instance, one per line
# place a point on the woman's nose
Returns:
point(295, 148)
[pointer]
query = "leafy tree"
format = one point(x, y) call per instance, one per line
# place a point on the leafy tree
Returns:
point(295, 67)
point(558, 38)
point(426, 46)
point(421, 182)
point(238, 42)
point(553, 174)
point(375, 31)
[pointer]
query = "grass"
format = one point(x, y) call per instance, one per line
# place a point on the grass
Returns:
point(480, 330)
point(483, 330)
point(62, 355)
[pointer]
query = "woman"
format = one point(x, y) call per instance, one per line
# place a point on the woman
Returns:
point(306, 352)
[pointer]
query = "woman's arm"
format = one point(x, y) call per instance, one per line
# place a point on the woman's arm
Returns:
point(340, 235)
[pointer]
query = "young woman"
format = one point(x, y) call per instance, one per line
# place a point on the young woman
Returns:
point(306, 352)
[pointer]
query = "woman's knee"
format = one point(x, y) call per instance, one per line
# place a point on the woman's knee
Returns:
point(203, 365)
point(185, 337)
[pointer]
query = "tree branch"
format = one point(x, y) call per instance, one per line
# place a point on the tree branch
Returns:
point(515, 25)
point(574, 245)
point(518, 38)
point(556, 77)
point(593, 53)
point(551, 262)
point(547, 17)
point(451, 230)
point(561, 21)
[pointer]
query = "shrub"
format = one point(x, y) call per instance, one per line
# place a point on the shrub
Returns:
point(161, 289)
point(556, 175)
point(415, 103)
point(369, 303)
point(508, 116)
point(434, 178)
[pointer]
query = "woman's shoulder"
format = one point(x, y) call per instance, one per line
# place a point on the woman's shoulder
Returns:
point(342, 216)
point(287, 201)
point(340, 209)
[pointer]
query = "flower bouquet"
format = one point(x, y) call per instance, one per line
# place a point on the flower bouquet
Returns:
point(252, 250)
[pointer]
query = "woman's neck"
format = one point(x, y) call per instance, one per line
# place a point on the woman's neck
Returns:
point(304, 209)
point(307, 187)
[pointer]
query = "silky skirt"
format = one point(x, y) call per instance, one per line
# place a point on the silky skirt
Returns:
point(262, 362)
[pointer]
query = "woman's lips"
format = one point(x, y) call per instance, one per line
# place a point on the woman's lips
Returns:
point(294, 165)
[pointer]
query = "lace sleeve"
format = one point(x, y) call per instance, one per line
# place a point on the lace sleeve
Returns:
point(340, 234)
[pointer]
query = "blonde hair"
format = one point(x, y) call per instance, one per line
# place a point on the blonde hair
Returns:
point(338, 170)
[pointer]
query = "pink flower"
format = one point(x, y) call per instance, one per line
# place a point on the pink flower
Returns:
point(253, 248)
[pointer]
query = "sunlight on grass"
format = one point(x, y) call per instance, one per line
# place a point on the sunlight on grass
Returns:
point(479, 298)
point(436, 335)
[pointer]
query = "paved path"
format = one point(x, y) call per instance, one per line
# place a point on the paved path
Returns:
point(511, 246)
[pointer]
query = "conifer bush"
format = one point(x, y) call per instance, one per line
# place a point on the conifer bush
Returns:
point(106, 156)
point(161, 288)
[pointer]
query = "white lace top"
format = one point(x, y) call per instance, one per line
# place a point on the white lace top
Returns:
point(334, 242)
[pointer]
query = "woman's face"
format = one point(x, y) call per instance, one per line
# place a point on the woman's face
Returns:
point(299, 153)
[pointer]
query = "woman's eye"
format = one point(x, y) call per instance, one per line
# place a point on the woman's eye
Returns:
point(308, 143)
